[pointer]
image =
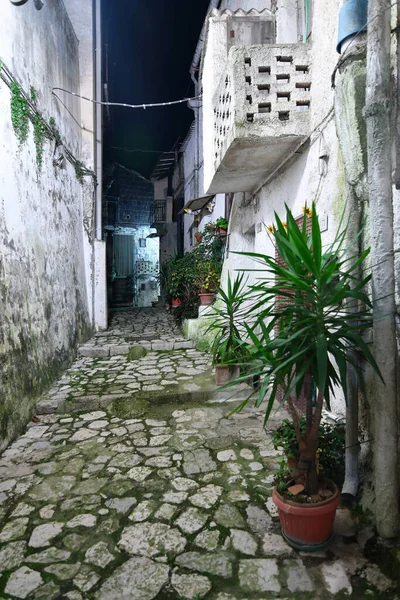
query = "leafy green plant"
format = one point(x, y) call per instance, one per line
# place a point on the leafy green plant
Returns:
point(56, 133)
point(79, 171)
point(222, 223)
point(38, 137)
point(19, 113)
point(331, 445)
point(208, 275)
point(300, 340)
point(33, 94)
point(189, 307)
point(227, 318)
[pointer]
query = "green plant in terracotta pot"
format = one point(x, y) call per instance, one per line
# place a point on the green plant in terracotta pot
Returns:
point(305, 342)
point(174, 277)
point(221, 225)
point(229, 347)
point(207, 279)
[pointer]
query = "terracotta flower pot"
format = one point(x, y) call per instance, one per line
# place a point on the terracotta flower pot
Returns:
point(225, 373)
point(222, 232)
point(307, 526)
point(176, 302)
point(206, 298)
point(198, 237)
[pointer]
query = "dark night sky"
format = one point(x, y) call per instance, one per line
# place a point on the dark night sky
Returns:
point(150, 48)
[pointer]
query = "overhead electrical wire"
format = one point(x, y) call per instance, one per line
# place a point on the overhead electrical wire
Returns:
point(140, 150)
point(144, 106)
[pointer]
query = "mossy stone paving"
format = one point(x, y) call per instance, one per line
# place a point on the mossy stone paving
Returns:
point(172, 503)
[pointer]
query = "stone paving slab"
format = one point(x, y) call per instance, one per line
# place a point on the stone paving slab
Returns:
point(162, 501)
point(77, 515)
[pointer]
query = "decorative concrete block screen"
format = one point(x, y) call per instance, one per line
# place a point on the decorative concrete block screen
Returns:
point(266, 86)
point(263, 101)
point(145, 267)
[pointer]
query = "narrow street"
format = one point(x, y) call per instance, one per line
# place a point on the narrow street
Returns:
point(135, 482)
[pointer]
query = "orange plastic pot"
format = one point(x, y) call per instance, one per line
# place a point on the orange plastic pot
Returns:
point(206, 299)
point(307, 526)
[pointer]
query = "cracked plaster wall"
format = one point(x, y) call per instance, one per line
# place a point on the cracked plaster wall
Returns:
point(43, 287)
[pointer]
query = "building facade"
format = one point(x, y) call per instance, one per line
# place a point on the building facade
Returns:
point(52, 258)
point(284, 122)
point(132, 249)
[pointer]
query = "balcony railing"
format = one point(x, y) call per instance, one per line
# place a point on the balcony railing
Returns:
point(159, 211)
point(261, 114)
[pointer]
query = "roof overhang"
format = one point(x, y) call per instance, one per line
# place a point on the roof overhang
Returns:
point(196, 203)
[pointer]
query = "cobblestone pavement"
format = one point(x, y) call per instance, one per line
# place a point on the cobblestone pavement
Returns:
point(140, 493)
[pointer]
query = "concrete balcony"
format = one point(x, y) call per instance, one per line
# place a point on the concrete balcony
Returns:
point(261, 114)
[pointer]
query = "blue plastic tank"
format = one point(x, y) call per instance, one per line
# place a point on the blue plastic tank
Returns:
point(353, 17)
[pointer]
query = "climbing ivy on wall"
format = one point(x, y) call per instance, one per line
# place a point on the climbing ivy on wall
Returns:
point(24, 109)
point(38, 137)
point(19, 113)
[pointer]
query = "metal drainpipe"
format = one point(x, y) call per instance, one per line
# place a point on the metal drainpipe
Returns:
point(98, 121)
point(306, 18)
point(199, 47)
point(195, 105)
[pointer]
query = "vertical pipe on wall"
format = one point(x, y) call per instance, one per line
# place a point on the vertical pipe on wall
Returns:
point(98, 120)
point(378, 105)
point(306, 18)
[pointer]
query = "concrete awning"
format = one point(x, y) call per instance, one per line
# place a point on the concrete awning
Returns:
point(197, 203)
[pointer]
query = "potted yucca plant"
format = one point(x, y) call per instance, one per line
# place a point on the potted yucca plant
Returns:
point(229, 347)
point(304, 340)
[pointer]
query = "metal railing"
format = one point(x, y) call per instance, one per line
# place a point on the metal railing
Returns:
point(159, 211)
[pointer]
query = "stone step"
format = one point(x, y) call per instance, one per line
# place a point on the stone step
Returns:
point(157, 345)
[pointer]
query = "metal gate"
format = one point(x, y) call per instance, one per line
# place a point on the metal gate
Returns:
point(124, 255)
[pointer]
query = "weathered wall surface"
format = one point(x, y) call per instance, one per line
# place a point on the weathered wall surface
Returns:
point(43, 294)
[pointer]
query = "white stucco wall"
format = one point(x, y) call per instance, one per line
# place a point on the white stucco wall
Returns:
point(189, 157)
point(81, 17)
point(306, 179)
point(44, 286)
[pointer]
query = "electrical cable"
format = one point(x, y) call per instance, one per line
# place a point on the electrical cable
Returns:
point(140, 150)
point(144, 106)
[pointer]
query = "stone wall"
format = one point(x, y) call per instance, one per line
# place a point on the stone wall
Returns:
point(43, 289)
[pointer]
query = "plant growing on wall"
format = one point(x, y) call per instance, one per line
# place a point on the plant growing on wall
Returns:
point(33, 94)
point(56, 133)
point(38, 136)
point(23, 108)
point(79, 171)
point(19, 113)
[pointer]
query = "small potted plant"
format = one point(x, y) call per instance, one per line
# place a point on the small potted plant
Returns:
point(174, 278)
point(221, 227)
point(198, 237)
point(208, 276)
point(228, 348)
point(304, 346)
